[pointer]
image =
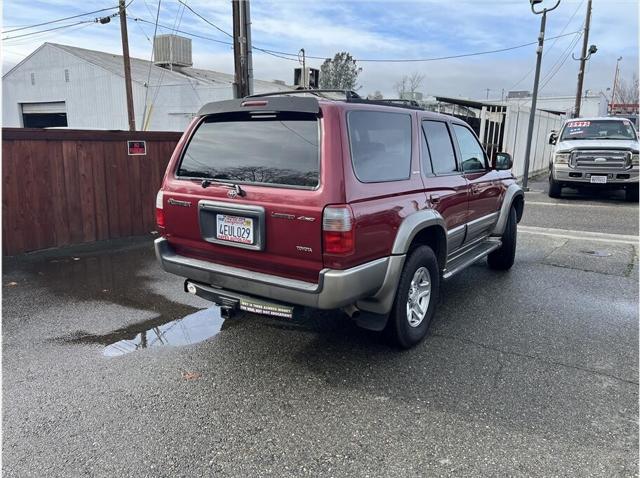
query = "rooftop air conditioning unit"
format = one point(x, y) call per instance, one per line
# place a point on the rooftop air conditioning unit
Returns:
point(311, 78)
point(172, 51)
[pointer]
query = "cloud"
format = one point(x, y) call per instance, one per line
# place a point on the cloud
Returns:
point(373, 29)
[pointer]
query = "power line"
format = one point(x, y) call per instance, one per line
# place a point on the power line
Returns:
point(268, 52)
point(281, 54)
point(205, 20)
point(409, 60)
point(390, 60)
point(153, 49)
point(195, 35)
point(550, 75)
point(59, 20)
point(48, 30)
point(546, 53)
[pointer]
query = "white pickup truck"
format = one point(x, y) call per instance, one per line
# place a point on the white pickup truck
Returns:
point(595, 152)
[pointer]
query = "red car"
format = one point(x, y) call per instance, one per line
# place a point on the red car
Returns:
point(283, 201)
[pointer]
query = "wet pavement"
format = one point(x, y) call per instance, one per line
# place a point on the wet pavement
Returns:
point(111, 369)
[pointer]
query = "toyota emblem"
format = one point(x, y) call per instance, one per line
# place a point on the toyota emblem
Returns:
point(232, 193)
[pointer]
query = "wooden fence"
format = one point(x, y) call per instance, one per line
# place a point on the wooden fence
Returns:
point(64, 187)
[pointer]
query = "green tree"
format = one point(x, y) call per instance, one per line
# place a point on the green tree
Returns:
point(340, 73)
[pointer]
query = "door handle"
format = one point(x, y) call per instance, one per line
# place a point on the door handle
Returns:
point(434, 198)
point(475, 189)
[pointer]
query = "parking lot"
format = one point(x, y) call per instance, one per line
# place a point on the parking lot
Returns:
point(533, 372)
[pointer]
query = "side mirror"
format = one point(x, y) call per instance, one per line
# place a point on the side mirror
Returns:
point(502, 162)
point(553, 137)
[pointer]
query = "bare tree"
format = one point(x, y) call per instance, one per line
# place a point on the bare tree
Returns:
point(409, 84)
point(376, 95)
point(627, 92)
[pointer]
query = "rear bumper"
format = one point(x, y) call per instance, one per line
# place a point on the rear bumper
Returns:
point(335, 288)
point(565, 174)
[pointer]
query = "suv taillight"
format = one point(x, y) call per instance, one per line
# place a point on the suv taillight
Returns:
point(337, 230)
point(159, 210)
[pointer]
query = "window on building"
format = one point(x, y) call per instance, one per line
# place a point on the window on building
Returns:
point(66, 75)
point(443, 159)
point(380, 145)
point(33, 78)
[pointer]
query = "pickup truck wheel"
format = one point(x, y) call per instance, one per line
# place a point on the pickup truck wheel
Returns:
point(502, 259)
point(631, 194)
point(416, 298)
point(555, 189)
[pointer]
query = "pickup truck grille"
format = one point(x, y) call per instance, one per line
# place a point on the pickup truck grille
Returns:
point(605, 159)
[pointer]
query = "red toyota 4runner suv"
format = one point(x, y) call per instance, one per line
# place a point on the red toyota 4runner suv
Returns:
point(277, 203)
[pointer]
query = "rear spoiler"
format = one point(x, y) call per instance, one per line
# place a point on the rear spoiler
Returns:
point(275, 104)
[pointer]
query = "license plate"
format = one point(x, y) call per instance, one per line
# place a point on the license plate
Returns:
point(234, 229)
point(598, 179)
point(265, 308)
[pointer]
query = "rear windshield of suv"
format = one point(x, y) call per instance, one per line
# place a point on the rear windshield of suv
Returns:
point(603, 129)
point(276, 149)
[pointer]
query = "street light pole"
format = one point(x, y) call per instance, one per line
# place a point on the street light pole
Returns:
point(536, 82)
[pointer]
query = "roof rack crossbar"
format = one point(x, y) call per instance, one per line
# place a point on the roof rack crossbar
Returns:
point(397, 103)
point(348, 94)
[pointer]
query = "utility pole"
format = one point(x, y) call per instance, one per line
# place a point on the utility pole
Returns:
point(127, 65)
point(583, 60)
point(303, 60)
point(488, 90)
point(615, 83)
point(536, 82)
point(248, 47)
point(243, 62)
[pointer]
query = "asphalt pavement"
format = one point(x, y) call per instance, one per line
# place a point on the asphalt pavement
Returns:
point(110, 369)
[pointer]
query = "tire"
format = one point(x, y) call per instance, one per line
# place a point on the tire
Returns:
point(631, 194)
point(502, 259)
point(555, 189)
point(407, 329)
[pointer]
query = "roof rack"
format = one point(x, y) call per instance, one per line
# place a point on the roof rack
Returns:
point(399, 103)
point(350, 96)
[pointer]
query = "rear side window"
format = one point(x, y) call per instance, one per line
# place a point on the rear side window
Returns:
point(276, 149)
point(443, 159)
point(380, 145)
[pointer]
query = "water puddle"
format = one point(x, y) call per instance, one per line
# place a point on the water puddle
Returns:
point(189, 330)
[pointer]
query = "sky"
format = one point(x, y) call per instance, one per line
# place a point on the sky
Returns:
point(368, 29)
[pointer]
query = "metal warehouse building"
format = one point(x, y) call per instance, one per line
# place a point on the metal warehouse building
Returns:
point(61, 85)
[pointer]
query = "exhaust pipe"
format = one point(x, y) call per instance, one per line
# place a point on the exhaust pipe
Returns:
point(366, 320)
point(352, 311)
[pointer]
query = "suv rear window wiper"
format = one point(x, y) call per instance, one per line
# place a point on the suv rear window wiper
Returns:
point(206, 182)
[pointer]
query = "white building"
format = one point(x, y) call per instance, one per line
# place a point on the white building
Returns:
point(61, 85)
point(591, 105)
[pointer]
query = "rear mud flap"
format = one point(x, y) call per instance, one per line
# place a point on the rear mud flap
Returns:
point(371, 321)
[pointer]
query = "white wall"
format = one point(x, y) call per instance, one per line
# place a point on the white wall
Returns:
point(515, 138)
point(591, 105)
point(91, 95)
point(176, 105)
point(95, 97)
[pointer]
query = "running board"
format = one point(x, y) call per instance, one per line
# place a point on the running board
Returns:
point(472, 255)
